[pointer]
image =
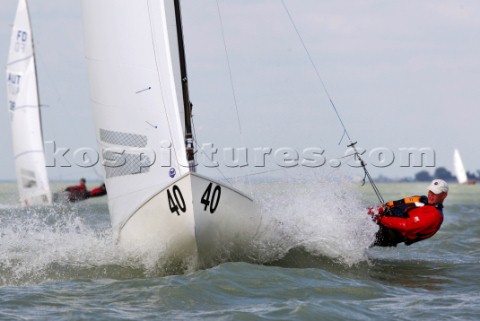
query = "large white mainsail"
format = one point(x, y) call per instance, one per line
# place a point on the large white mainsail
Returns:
point(458, 167)
point(24, 109)
point(135, 72)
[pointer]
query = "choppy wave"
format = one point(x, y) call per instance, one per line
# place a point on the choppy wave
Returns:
point(323, 219)
point(317, 220)
point(69, 266)
point(47, 243)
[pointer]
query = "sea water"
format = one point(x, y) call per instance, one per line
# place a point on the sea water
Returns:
point(310, 261)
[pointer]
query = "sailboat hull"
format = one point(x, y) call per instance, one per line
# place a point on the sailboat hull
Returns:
point(194, 218)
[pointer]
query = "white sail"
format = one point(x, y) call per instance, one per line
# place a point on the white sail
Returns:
point(458, 167)
point(134, 62)
point(24, 109)
point(136, 93)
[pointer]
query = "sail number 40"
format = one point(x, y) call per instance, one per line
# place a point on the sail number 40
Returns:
point(211, 202)
point(210, 199)
point(176, 202)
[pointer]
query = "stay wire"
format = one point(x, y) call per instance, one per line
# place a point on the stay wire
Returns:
point(345, 131)
point(205, 154)
point(229, 69)
point(231, 79)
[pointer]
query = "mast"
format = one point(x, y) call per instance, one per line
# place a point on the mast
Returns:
point(186, 99)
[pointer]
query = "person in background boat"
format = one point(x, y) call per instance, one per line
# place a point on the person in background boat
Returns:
point(78, 192)
point(411, 219)
point(98, 191)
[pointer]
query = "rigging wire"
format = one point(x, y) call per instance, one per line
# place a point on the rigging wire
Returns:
point(203, 152)
point(231, 78)
point(229, 69)
point(345, 131)
point(53, 87)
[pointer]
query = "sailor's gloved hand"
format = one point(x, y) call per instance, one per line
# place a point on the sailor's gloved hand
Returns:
point(376, 213)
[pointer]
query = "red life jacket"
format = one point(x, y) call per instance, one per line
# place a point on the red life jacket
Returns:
point(76, 193)
point(413, 218)
point(99, 191)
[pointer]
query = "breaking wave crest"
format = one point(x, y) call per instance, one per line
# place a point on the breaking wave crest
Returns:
point(67, 242)
point(324, 218)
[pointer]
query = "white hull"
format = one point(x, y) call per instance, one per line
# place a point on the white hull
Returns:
point(202, 233)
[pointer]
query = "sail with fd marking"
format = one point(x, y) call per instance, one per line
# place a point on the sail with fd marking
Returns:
point(24, 110)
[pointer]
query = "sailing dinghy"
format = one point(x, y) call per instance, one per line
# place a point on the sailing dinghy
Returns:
point(142, 114)
point(24, 109)
point(459, 169)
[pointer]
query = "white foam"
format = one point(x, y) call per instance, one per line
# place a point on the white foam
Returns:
point(326, 217)
point(40, 243)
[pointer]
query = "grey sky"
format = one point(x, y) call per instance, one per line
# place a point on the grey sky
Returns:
point(403, 74)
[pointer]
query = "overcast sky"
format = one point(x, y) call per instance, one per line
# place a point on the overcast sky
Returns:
point(402, 74)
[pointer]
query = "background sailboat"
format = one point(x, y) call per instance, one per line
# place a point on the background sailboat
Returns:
point(459, 169)
point(24, 109)
point(138, 89)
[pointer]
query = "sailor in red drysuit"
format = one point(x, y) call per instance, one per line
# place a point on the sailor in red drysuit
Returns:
point(411, 219)
point(98, 191)
point(78, 192)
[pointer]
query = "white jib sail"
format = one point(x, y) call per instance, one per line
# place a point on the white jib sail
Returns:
point(24, 109)
point(459, 168)
point(136, 92)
